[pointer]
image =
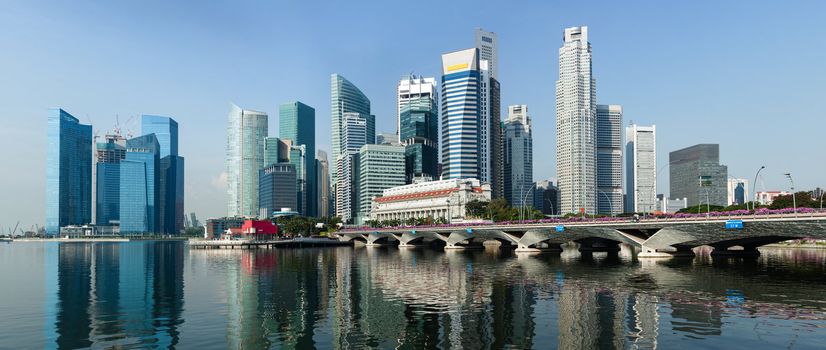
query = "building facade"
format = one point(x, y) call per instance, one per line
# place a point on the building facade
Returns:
point(491, 133)
point(461, 114)
point(68, 172)
point(667, 205)
point(695, 173)
point(108, 155)
point(640, 168)
point(609, 160)
point(518, 152)
point(246, 135)
point(277, 189)
point(444, 199)
point(737, 191)
point(296, 122)
point(415, 88)
point(353, 136)
point(139, 186)
point(380, 167)
point(323, 181)
point(347, 98)
point(171, 172)
point(576, 124)
point(419, 133)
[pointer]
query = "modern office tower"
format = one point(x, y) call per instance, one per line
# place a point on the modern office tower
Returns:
point(68, 172)
point(275, 151)
point(277, 189)
point(696, 174)
point(380, 167)
point(609, 160)
point(347, 98)
point(387, 138)
point(297, 123)
point(322, 167)
point(460, 114)
point(108, 155)
point(518, 157)
point(353, 136)
point(552, 199)
point(486, 43)
point(412, 87)
point(419, 133)
point(171, 176)
point(737, 190)
point(640, 168)
point(576, 124)
point(139, 180)
point(246, 136)
point(539, 195)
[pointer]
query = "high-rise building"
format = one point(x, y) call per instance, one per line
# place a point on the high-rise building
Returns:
point(353, 136)
point(347, 98)
point(323, 181)
point(139, 186)
point(419, 133)
point(297, 123)
point(387, 138)
point(737, 190)
point(491, 133)
point(68, 172)
point(640, 168)
point(486, 43)
point(576, 124)
point(546, 197)
point(246, 136)
point(519, 157)
point(412, 87)
point(275, 151)
point(108, 156)
point(380, 167)
point(695, 173)
point(277, 188)
point(609, 159)
point(171, 172)
point(460, 114)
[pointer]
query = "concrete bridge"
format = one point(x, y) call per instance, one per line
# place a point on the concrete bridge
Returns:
point(654, 238)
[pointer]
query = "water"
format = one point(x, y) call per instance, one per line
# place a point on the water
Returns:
point(164, 295)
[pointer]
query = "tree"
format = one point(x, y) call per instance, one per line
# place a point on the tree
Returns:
point(803, 199)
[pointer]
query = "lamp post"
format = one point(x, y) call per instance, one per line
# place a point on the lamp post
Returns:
point(794, 200)
point(524, 198)
point(553, 212)
point(821, 199)
point(610, 204)
point(754, 186)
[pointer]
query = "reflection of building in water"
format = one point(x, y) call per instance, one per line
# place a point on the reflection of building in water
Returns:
point(643, 321)
point(695, 317)
point(74, 286)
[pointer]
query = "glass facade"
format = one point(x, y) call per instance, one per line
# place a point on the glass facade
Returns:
point(461, 94)
point(139, 186)
point(609, 159)
point(246, 135)
point(380, 167)
point(68, 172)
point(347, 98)
point(277, 188)
point(518, 157)
point(419, 131)
point(296, 122)
point(695, 173)
point(171, 176)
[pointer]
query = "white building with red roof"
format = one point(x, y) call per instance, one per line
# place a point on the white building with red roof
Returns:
point(434, 199)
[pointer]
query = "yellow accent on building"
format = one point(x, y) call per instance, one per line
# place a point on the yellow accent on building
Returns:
point(457, 67)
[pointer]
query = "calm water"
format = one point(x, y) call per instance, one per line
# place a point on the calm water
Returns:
point(163, 295)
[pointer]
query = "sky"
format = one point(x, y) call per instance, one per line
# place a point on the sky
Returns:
point(747, 75)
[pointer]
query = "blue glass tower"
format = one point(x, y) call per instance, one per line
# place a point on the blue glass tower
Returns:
point(296, 121)
point(461, 97)
point(419, 131)
point(139, 186)
point(68, 172)
point(109, 155)
point(170, 173)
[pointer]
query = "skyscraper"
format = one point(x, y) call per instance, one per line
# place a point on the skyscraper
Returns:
point(460, 114)
point(419, 132)
point(486, 43)
point(412, 87)
point(171, 172)
point(609, 159)
point(737, 190)
point(695, 173)
point(347, 98)
point(296, 122)
point(380, 167)
point(353, 136)
point(518, 157)
point(640, 168)
point(139, 186)
point(323, 181)
point(576, 124)
point(108, 156)
point(277, 188)
point(68, 172)
point(491, 133)
point(246, 136)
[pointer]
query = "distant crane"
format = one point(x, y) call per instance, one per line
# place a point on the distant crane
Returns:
point(15, 229)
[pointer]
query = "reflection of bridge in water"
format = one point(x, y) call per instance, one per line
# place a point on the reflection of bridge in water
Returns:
point(654, 238)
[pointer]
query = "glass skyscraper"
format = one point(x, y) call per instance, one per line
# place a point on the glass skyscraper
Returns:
point(296, 122)
point(139, 186)
point(353, 136)
point(419, 132)
point(246, 135)
point(380, 167)
point(171, 172)
point(519, 157)
point(460, 114)
point(696, 173)
point(68, 172)
point(609, 159)
point(347, 98)
point(109, 156)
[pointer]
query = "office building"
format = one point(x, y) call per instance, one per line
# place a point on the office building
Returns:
point(518, 152)
point(246, 136)
point(670, 206)
point(609, 160)
point(491, 134)
point(419, 133)
point(387, 138)
point(737, 191)
point(323, 181)
point(108, 155)
point(297, 123)
point(545, 197)
point(276, 150)
point(576, 124)
point(171, 172)
point(486, 43)
point(436, 200)
point(380, 167)
point(461, 116)
point(139, 186)
point(347, 98)
point(640, 168)
point(412, 87)
point(68, 171)
point(353, 136)
point(695, 173)
point(277, 189)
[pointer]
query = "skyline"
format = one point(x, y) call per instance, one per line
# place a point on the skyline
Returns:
point(527, 78)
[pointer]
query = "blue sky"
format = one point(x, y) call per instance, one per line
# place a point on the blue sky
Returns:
point(746, 75)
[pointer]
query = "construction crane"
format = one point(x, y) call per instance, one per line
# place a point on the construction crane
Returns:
point(15, 228)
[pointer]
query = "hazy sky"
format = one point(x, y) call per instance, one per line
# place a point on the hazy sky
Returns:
point(749, 75)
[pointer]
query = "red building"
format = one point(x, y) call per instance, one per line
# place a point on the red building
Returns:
point(259, 230)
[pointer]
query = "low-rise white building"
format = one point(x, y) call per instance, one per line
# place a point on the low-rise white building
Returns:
point(435, 199)
point(767, 197)
point(666, 205)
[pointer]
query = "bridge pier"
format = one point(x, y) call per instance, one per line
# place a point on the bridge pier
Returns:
point(548, 248)
point(724, 252)
point(679, 252)
point(589, 245)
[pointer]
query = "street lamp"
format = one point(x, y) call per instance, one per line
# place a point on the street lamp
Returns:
point(525, 198)
point(794, 200)
point(610, 205)
point(553, 212)
point(754, 185)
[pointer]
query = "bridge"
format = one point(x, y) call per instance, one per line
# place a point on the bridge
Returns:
point(655, 238)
